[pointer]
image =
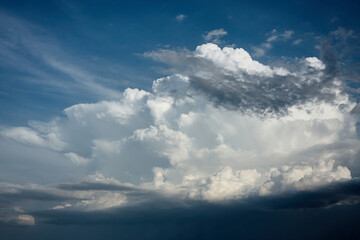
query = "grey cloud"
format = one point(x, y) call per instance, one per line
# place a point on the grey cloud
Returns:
point(86, 186)
point(344, 44)
point(335, 205)
point(259, 96)
point(151, 205)
point(251, 93)
point(134, 193)
point(330, 59)
point(332, 195)
point(38, 195)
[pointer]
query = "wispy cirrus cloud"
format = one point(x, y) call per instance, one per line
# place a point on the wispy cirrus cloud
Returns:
point(39, 59)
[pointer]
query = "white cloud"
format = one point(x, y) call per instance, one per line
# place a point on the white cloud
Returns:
point(315, 63)
point(25, 135)
point(62, 206)
point(25, 220)
point(215, 35)
point(180, 17)
point(297, 41)
point(206, 132)
point(104, 200)
point(50, 138)
point(274, 36)
point(76, 159)
point(236, 60)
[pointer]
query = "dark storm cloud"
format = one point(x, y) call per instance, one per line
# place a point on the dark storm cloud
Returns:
point(87, 186)
point(336, 223)
point(38, 195)
point(159, 208)
point(326, 213)
point(133, 193)
point(345, 193)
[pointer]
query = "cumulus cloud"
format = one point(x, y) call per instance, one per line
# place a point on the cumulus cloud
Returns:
point(221, 127)
point(231, 78)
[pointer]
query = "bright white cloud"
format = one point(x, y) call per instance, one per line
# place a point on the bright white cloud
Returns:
point(315, 63)
point(236, 60)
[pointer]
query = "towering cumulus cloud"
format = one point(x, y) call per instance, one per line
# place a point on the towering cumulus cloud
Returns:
point(222, 126)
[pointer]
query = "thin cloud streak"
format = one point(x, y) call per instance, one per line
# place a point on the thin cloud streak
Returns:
point(57, 69)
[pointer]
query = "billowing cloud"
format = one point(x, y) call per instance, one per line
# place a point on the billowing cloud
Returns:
point(222, 133)
point(234, 80)
point(223, 127)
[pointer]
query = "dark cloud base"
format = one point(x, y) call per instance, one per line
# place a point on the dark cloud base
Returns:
point(207, 223)
point(330, 212)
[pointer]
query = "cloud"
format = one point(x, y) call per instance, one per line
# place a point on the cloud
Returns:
point(23, 220)
point(273, 37)
point(231, 78)
point(97, 192)
point(76, 158)
point(207, 132)
point(343, 34)
point(221, 131)
point(334, 204)
point(215, 35)
point(180, 17)
point(297, 41)
point(41, 60)
point(49, 138)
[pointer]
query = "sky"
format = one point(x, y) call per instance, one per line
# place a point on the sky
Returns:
point(179, 119)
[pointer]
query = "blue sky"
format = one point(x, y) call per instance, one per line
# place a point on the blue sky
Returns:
point(108, 39)
point(179, 119)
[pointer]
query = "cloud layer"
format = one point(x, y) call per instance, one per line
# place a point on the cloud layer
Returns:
point(221, 127)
